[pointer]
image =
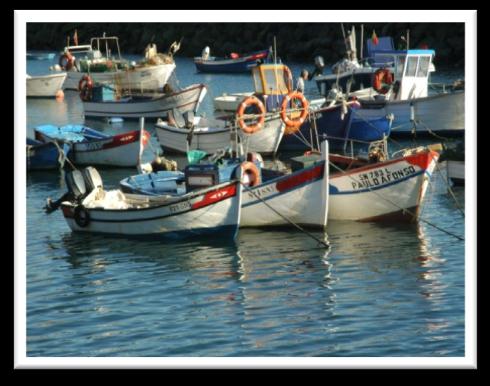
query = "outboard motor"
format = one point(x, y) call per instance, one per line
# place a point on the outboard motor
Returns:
point(76, 191)
point(92, 179)
point(205, 53)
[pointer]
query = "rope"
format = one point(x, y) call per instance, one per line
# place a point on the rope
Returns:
point(325, 244)
point(399, 207)
point(62, 156)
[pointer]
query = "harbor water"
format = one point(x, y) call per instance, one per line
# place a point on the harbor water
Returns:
point(380, 290)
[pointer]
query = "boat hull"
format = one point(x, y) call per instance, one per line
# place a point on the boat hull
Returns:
point(140, 78)
point(45, 86)
point(302, 197)
point(183, 101)
point(222, 65)
point(43, 156)
point(386, 191)
point(266, 140)
point(211, 211)
point(122, 150)
point(441, 113)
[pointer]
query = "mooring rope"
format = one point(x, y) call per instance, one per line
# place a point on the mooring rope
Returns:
point(325, 244)
point(399, 207)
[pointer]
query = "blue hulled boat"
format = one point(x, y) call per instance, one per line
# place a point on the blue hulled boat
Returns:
point(235, 63)
point(43, 156)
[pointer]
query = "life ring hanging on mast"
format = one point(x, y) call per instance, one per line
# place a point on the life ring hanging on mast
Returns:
point(293, 124)
point(382, 78)
point(85, 87)
point(247, 102)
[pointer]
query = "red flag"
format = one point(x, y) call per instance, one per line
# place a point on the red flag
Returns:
point(375, 39)
point(75, 38)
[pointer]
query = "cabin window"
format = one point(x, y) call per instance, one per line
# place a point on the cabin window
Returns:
point(400, 66)
point(424, 63)
point(275, 83)
point(411, 66)
point(257, 81)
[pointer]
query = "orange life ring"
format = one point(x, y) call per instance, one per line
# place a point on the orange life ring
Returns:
point(383, 75)
point(252, 171)
point(250, 101)
point(293, 125)
point(67, 61)
point(85, 87)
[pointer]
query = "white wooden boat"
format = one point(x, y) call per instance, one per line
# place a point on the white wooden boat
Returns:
point(209, 210)
point(110, 68)
point(134, 78)
point(392, 190)
point(148, 105)
point(440, 113)
point(301, 196)
point(45, 85)
point(211, 135)
point(91, 147)
point(406, 96)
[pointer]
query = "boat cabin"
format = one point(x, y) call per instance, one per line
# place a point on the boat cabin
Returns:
point(411, 74)
point(272, 83)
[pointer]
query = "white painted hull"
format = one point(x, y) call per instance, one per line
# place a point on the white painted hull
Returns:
point(149, 77)
point(301, 197)
point(45, 86)
point(442, 112)
point(211, 210)
point(122, 150)
point(185, 100)
point(384, 190)
point(211, 139)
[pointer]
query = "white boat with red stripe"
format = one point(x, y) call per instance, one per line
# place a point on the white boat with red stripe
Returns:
point(210, 210)
point(301, 196)
point(91, 147)
point(391, 190)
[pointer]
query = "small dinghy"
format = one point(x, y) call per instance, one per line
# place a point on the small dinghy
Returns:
point(91, 147)
point(235, 63)
point(202, 209)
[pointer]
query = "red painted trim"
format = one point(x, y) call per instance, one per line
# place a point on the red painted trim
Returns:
point(300, 179)
point(216, 196)
point(122, 139)
point(423, 160)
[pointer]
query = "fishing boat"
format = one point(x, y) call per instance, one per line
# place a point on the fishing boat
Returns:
point(151, 73)
point(45, 85)
point(340, 124)
point(379, 188)
point(91, 147)
point(258, 116)
point(200, 210)
point(45, 155)
point(272, 196)
point(104, 101)
point(235, 63)
point(406, 96)
point(40, 55)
